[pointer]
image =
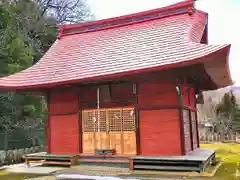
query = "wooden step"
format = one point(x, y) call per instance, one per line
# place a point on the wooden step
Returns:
point(177, 168)
point(105, 156)
point(56, 163)
point(166, 162)
point(105, 160)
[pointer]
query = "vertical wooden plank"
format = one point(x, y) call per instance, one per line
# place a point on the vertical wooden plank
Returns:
point(131, 165)
point(129, 142)
point(187, 131)
point(80, 125)
point(82, 122)
point(137, 121)
point(88, 141)
point(195, 141)
point(99, 129)
point(94, 132)
point(48, 128)
point(107, 129)
point(190, 118)
point(191, 129)
point(196, 119)
point(121, 131)
point(198, 141)
point(182, 139)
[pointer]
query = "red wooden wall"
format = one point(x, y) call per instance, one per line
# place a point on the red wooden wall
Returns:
point(159, 117)
point(64, 124)
point(160, 133)
point(159, 120)
point(64, 135)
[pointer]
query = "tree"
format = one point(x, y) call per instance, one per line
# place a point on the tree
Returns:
point(207, 110)
point(37, 31)
point(38, 19)
point(27, 29)
point(228, 106)
point(227, 111)
point(66, 11)
point(15, 56)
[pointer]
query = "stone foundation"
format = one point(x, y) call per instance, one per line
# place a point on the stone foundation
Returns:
point(16, 155)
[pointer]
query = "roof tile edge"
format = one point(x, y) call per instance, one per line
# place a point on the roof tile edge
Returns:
point(171, 10)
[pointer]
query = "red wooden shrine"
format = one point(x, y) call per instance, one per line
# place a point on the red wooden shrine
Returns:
point(128, 84)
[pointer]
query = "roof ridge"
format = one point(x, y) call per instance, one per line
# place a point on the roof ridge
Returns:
point(186, 6)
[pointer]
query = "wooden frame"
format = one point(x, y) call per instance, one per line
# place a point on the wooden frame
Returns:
point(137, 111)
point(190, 119)
point(48, 129)
point(107, 131)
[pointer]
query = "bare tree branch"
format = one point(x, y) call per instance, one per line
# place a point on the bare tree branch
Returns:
point(66, 11)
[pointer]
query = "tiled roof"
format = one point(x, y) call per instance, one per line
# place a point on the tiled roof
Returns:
point(163, 42)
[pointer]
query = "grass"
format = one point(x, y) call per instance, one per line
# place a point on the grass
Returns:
point(230, 154)
point(6, 176)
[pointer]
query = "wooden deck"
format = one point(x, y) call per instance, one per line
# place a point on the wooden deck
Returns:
point(52, 159)
point(197, 161)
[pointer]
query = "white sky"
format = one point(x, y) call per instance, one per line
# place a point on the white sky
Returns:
point(224, 20)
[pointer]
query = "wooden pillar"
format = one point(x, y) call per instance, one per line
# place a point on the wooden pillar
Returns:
point(196, 118)
point(47, 125)
point(135, 91)
point(80, 125)
point(190, 118)
point(131, 165)
point(182, 137)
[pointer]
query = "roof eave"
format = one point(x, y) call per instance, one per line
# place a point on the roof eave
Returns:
point(225, 50)
point(218, 69)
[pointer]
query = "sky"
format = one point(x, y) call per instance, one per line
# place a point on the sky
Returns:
point(223, 23)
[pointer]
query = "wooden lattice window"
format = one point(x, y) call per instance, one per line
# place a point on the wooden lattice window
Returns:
point(129, 120)
point(115, 119)
point(110, 120)
point(102, 121)
point(88, 118)
point(91, 122)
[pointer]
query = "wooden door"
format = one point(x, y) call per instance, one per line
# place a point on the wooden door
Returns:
point(116, 129)
point(95, 133)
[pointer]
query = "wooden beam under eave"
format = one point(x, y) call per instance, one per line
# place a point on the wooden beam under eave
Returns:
point(196, 76)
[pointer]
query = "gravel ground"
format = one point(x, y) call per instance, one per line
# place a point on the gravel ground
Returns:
point(102, 178)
